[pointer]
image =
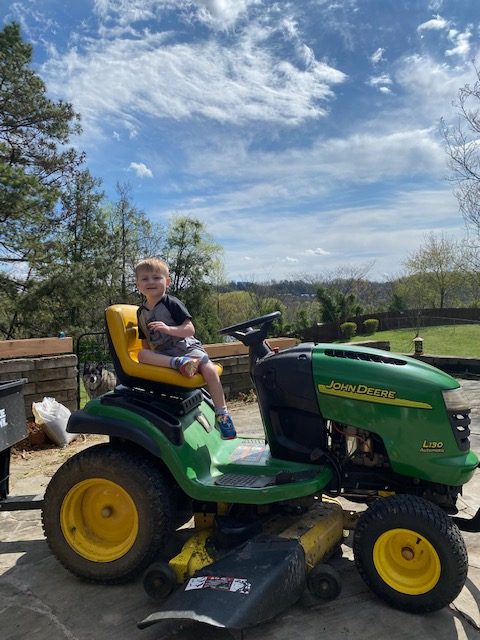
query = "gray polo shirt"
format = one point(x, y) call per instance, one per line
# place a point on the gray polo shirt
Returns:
point(173, 312)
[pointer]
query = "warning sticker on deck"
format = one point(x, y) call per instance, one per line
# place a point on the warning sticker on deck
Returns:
point(219, 583)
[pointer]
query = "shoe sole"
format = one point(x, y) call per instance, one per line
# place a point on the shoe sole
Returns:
point(190, 368)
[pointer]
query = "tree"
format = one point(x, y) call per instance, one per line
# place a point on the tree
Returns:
point(35, 163)
point(190, 252)
point(234, 307)
point(397, 302)
point(336, 305)
point(434, 268)
point(132, 237)
point(194, 260)
point(464, 152)
point(468, 264)
point(67, 288)
point(34, 158)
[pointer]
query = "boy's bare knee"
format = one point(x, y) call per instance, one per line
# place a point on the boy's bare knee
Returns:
point(208, 370)
point(141, 355)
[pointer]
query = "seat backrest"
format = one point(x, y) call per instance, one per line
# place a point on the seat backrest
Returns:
point(122, 333)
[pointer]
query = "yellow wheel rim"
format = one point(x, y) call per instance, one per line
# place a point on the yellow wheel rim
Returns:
point(99, 520)
point(406, 561)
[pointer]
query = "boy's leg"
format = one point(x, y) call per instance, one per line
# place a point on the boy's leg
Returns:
point(224, 420)
point(209, 372)
point(147, 356)
point(186, 366)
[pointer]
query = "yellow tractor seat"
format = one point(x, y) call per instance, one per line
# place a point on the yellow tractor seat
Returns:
point(122, 333)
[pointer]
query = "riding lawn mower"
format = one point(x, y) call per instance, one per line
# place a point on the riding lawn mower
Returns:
point(342, 423)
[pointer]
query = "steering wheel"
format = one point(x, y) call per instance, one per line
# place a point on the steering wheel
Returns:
point(266, 319)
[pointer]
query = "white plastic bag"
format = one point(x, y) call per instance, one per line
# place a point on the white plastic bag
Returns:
point(54, 417)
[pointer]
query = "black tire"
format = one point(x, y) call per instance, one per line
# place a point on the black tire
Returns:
point(410, 553)
point(324, 582)
point(107, 514)
point(159, 581)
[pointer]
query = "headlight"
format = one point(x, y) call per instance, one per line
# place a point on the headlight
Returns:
point(456, 400)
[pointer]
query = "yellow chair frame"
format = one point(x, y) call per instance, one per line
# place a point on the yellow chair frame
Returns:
point(122, 332)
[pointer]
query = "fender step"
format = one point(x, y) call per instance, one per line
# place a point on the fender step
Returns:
point(258, 482)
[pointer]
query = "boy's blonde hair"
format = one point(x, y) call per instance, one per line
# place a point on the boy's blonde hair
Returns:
point(152, 264)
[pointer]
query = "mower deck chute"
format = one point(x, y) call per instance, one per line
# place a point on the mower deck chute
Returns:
point(248, 586)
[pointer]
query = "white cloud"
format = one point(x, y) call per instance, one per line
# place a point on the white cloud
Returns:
point(374, 234)
point(381, 82)
point(316, 252)
point(222, 14)
point(125, 12)
point(461, 43)
point(307, 172)
point(247, 83)
point(141, 169)
point(290, 26)
point(216, 14)
point(377, 56)
point(431, 87)
point(436, 23)
point(375, 81)
point(460, 39)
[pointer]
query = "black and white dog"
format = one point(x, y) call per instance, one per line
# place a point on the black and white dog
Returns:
point(97, 380)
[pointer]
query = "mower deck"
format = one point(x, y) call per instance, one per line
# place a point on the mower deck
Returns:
point(256, 580)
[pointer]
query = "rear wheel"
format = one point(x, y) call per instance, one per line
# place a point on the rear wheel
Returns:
point(106, 514)
point(410, 553)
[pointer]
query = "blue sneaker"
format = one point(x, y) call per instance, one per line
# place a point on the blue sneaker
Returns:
point(227, 429)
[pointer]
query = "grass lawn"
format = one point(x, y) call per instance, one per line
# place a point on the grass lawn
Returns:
point(83, 395)
point(454, 340)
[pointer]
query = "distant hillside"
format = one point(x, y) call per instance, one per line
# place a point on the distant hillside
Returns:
point(373, 296)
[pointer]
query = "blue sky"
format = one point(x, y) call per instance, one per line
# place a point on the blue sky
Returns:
point(304, 134)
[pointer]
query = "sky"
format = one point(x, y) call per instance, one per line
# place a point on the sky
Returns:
point(304, 134)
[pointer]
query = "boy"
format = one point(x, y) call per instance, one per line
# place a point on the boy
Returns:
point(167, 333)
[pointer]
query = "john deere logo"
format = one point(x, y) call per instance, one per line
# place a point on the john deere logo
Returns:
point(369, 394)
point(361, 389)
point(432, 445)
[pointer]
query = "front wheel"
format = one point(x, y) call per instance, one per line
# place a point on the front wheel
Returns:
point(410, 553)
point(107, 513)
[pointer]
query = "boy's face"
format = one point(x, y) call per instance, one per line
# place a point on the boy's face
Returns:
point(152, 284)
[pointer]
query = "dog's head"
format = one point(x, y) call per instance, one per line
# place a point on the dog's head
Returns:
point(92, 375)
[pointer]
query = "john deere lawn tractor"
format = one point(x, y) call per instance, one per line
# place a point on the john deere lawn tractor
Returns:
point(341, 421)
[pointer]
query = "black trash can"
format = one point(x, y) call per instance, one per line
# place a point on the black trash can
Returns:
point(13, 426)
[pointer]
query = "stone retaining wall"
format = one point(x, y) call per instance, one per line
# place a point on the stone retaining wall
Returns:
point(52, 376)
point(235, 377)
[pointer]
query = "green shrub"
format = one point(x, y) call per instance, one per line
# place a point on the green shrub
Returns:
point(370, 326)
point(348, 329)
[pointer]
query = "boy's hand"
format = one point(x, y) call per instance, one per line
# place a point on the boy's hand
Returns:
point(156, 325)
